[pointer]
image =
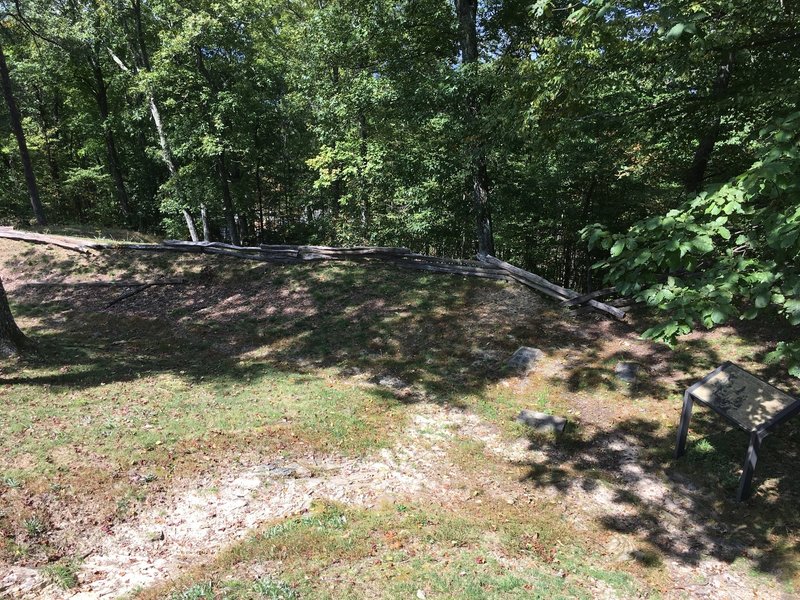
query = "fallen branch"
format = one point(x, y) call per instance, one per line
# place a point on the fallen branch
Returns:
point(549, 288)
point(106, 283)
point(128, 295)
point(590, 296)
point(39, 238)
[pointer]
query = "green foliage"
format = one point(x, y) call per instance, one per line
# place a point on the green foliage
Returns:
point(274, 589)
point(64, 573)
point(730, 253)
point(198, 591)
point(358, 122)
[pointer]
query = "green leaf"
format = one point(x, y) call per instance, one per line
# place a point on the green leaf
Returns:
point(617, 248)
point(724, 233)
point(703, 243)
point(675, 32)
point(718, 316)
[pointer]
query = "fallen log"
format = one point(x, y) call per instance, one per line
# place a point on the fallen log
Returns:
point(443, 260)
point(520, 274)
point(590, 296)
point(203, 245)
point(148, 247)
point(74, 244)
point(549, 288)
point(355, 250)
point(452, 270)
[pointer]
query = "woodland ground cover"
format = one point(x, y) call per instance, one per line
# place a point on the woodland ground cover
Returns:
point(180, 389)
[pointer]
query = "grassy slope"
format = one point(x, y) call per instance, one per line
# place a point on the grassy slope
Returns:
point(259, 359)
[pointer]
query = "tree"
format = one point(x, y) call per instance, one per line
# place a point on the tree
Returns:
point(12, 340)
point(19, 133)
point(467, 12)
point(732, 251)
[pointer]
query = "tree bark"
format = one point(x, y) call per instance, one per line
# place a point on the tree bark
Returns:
point(227, 200)
point(12, 340)
point(204, 219)
point(467, 11)
point(55, 171)
point(19, 133)
point(366, 216)
point(190, 225)
point(101, 96)
point(695, 176)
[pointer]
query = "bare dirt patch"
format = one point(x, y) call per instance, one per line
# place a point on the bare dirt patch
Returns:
point(432, 348)
point(199, 517)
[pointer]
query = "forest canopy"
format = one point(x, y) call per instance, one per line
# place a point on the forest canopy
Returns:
point(657, 141)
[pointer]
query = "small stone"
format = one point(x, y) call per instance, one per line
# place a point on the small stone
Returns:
point(620, 548)
point(156, 536)
point(350, 372)
point(247, 483)
point(524, 359)
point(295, 470)
point(392, 382)
point(421, 595)
point(280, 471)
point(627, 371)
point(541, 421)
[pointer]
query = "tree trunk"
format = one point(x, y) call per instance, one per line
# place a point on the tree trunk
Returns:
point(114, 167)
point(219, 160)
point(190, 224)
point(144, 58)
point(204, 219)
point(55, 172)
point(140, 51)
point(366, 216)
point(12, 340)
point(259, 192)
point(166, 152)
point(467, 18)
point(19, 133)
point(227, 201)
point(696, 173)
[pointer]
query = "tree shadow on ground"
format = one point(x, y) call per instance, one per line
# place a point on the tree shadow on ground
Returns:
point(441, 337)
point(681, 510)
point(433, 338)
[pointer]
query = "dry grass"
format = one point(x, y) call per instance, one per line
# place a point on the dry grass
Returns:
point(249, 360)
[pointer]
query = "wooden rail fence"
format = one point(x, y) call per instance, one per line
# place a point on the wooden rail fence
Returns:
point(487, 266)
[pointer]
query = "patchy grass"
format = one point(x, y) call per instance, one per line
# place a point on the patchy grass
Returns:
point(64, 573)
point(334, 552)
point(248, 361)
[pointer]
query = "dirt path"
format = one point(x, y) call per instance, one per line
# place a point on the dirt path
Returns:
point(200, 519)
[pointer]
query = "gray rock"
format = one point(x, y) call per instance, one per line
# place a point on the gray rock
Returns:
point(281, 471)
point(541, 421)
point(156, 536)
point(482, 356)
point(627, 371)
point(392, 382)
point(350, 372)
point(524, 359)
point(295, 470)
